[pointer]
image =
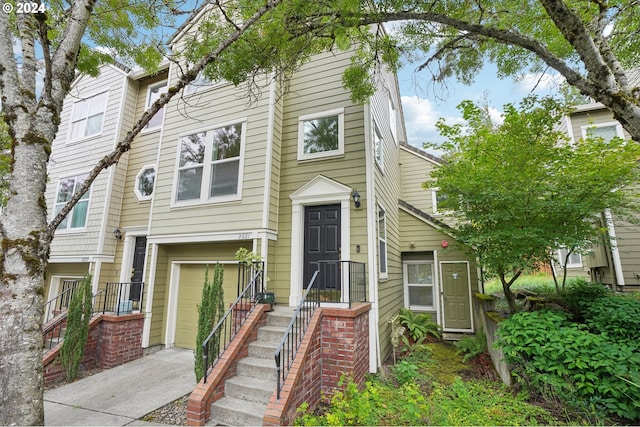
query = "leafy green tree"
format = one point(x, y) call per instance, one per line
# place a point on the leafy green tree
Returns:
point(77, 331)
point(210, 311)
point(518, 188)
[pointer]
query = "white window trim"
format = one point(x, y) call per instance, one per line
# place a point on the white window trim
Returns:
point(433, 286)
point(561, 259)
point(69, 216)
point(148, 129)
point(434, 203)
point(203, 85)
point(377, 134)
point(383, 274)
point(324, 154)
point(136, 191)
point(104, 116)
point(618, 126)
point(393, 120)
point(204, 189)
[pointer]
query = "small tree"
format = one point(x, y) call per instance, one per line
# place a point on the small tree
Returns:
point(210, 311)
point(75, 338)
point(519, 188)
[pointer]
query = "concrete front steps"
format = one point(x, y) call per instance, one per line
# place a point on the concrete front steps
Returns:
point(248, 392)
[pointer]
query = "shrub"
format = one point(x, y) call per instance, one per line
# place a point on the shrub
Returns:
point(551, 355)
point(582, 293)
point(210, 311)
point(617, 316)
point(418, 325)
point(472, 346)
point(77, 332)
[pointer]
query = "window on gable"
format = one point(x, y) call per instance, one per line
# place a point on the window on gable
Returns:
point(144, 182)
point(606, 131)
point(393, 121)
point(77, 217)
point(200, 83)
point(87, 116)
point(574, 261)
point(321, 135)
point(419, 289)
point(154, 92)
point(209, 164)
point(382, 242)
point(437, 199)
point(378, 145)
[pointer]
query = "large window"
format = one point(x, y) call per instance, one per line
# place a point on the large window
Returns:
point(154, 92)
point(87, 116)
point(574, 261)
point(382, 242)
point(209, 164)
point(77, 218)
point(321, 135)
point(419, 289)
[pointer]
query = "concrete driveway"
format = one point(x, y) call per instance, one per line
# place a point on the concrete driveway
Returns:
point(122, 395)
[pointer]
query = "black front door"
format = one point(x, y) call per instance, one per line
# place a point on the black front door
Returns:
point(322, 246)
point(138, 267)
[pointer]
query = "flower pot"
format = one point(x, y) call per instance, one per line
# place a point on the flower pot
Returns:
point(266, 298)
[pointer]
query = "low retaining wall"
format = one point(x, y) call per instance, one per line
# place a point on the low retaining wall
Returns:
point(112, 341)
point(489, 321)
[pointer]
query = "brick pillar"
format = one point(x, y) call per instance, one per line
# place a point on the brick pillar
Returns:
point(120, 339)
point(345, 345)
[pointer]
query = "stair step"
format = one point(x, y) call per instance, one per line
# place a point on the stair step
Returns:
point(249, 389)
point(236, 412)
point(262, 349)
point(257, 368)
point(272, 334)
point(281, 317)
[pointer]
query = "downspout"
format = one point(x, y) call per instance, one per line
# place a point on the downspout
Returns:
point(617, 263)
point(374, 328)
point(268, 170)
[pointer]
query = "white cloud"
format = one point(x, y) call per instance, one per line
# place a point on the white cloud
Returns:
point(420, 119)
point(539, 82)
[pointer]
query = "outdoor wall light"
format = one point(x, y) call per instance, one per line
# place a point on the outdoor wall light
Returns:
point(117, 234)
point(356, 198)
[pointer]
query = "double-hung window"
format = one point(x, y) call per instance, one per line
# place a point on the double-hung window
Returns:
point(87, 116)
point(321, 135)
point(209, 165)
point(419, 289)
point(574, 260)
point(155, 91)
point(382, 242)
point(77, 217)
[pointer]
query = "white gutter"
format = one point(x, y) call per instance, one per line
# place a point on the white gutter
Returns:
point(617, 263)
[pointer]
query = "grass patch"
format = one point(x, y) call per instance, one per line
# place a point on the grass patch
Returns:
point(539, 283)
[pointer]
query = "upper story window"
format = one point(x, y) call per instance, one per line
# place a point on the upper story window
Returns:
point(378, 146)
point(574, 260)
point(321, 135)
point(87, 116)
point(393, 121)
point(437, 199)
point(200, 83)
point(209, 164)
point(606, 131)
point(153, 93)
point(144, 182)
point(77, 218)
point(382, 242)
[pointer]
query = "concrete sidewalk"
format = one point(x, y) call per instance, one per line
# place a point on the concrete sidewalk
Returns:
point(122, 395)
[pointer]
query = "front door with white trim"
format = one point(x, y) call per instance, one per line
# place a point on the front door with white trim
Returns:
point(456, 296)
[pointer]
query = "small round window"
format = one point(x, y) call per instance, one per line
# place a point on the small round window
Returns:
point(144, 182)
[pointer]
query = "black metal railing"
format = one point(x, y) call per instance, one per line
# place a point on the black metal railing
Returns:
point(229, 325)
point(246, 273)
point(288, 347)
point(356, 275)
point(58, 305)
point(118, 298)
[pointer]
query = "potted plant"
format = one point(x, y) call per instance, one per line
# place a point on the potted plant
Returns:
point(246, 257)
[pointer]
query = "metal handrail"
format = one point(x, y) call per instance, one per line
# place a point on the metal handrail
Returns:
point(60, 301)
point(357, 281)
point(292, 338)
point(229, 325)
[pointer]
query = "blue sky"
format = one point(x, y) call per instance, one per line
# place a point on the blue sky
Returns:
point(423, 106)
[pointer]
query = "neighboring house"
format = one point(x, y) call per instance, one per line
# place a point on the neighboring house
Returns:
point(277, 176)
point(616, 260)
